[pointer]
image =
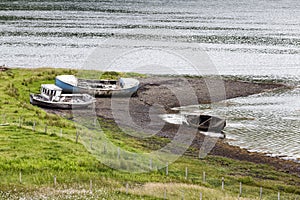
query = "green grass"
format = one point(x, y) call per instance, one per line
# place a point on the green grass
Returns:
point(40, 155)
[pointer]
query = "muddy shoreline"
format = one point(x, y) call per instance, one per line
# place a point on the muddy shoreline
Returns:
point(158, 95)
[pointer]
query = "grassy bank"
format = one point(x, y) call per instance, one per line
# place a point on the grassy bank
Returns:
point(37, 148)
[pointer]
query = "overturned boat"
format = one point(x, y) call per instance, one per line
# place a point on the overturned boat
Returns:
point(51, 97)
point(120, 87)
point(206, 123)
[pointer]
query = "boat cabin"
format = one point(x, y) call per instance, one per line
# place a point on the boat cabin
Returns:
point(50, 92)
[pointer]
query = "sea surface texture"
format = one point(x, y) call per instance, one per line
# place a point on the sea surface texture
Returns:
point(240, 37)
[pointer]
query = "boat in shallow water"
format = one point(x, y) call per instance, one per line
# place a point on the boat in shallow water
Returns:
point(51, 97)
point(120, 87)
point(206, 123)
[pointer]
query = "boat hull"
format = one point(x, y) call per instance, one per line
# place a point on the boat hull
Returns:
point(36, 100)
point(66, 87)
point(207, 123)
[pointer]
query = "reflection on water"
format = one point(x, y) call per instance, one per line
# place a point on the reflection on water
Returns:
point(267, 122)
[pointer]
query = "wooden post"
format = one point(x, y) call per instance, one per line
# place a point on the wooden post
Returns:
point(200, 196)
point(241, 188)
point(260, 193)
point(167, 169)
point(20, 177)
point(127, 186)
point(222, 183)
point(165, 194)
point(91, 186)
point(182, 195)
point(186, 173)
point(278, 195)
point(54, 181)
point(204, 177)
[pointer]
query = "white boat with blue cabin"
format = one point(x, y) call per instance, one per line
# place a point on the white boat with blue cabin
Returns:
point(51, 97)
point(120, 87)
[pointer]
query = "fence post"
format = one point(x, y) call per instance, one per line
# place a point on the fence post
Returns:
point(182, 197)
point(241, 188)
point(20, 176)
point(165, 194)
point(204, 177)
point(278, 195)
point(200, 196)
point(167, 169)
point(222, 183)
point(260, 193)
point(54, 179)
point(91, 186)
point(186, 173)
point(127, 186)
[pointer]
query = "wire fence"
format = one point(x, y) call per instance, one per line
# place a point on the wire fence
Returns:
point(186, 176)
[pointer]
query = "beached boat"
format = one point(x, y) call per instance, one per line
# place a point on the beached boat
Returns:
point(206, 123)
point(71, 84)
point(3, 68)
point(51, 96)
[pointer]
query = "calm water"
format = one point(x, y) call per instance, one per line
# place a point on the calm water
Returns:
point(267, 122)
point(240, 38)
